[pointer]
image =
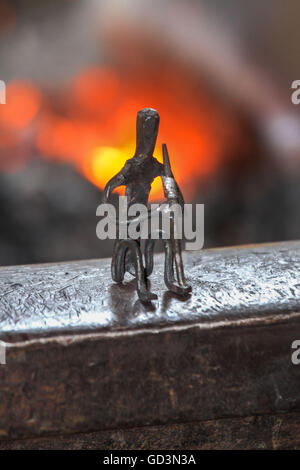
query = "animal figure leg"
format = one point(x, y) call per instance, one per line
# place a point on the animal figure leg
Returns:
point(118, 267)
point(171, 252)
point(149, 247)
point(177, 256)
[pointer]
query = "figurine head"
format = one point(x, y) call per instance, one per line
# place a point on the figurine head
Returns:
point(147, 123)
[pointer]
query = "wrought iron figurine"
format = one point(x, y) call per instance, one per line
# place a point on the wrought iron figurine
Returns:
point(137, 175)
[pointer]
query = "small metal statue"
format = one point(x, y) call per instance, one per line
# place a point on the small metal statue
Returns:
point(137, 175)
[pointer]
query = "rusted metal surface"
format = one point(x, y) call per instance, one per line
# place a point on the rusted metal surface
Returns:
point(87, 356)
point(270, 432)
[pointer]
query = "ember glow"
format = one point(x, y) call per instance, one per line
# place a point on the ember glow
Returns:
point(90, 123)
point(23, 102)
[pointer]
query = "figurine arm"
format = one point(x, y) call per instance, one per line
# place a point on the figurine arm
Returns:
point(179, 195)
point(115, 182)
point(118, 180)
point(176, 188)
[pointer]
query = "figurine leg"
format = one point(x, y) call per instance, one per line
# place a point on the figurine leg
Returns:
point(118, 267)
point(173, 253)
point(169, 271)
point(149, 247)
point(172, 250)
point(130, 262)
point(176, 248)
point(181, 288)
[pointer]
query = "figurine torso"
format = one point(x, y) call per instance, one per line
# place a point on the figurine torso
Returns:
point(139, 174)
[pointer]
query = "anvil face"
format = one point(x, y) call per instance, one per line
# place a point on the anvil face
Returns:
point(147, 124)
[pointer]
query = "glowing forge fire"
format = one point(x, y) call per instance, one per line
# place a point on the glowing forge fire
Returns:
point(91, 124)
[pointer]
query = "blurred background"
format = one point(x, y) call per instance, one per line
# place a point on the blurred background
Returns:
point(77, 72)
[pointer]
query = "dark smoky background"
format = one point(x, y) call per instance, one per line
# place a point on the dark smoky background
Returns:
point(220, 75)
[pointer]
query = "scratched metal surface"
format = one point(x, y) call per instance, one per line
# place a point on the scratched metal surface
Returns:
point(229, 285)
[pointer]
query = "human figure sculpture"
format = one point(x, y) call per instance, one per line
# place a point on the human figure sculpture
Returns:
point(137, 175)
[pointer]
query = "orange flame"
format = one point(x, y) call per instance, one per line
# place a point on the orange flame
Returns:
point(92, 124)
point(22, 104)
